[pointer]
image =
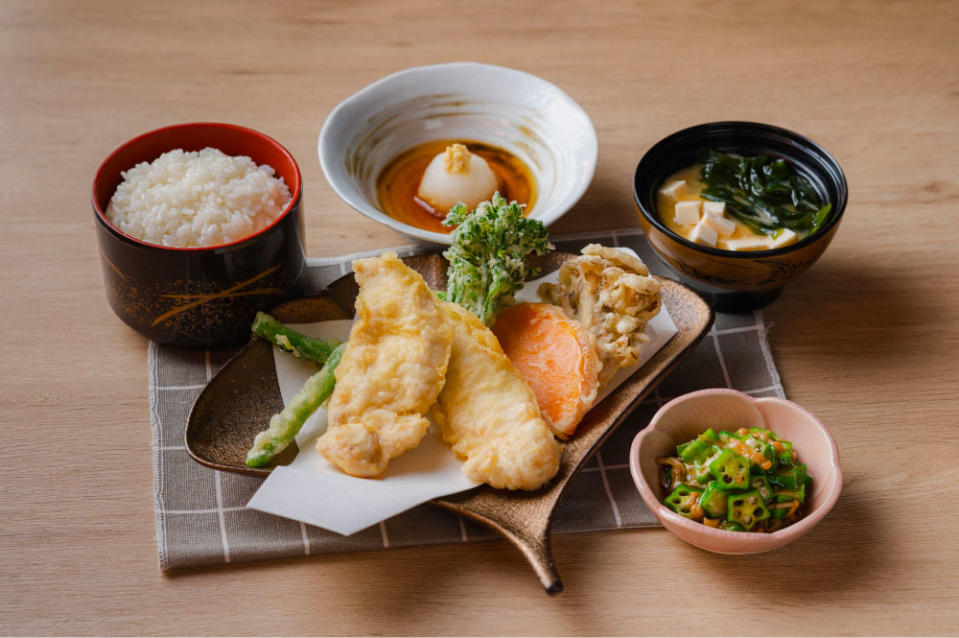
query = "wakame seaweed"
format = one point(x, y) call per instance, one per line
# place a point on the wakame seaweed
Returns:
point(763, 193)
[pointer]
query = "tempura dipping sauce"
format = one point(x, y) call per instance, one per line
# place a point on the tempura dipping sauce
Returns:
point(398, 185)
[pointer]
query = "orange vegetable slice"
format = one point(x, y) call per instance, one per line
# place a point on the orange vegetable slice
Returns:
point(556, 356)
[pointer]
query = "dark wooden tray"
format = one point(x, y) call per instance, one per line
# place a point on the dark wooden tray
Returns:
point(239, 401)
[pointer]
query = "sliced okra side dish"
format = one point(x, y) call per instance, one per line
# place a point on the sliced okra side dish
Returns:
point(749, 480)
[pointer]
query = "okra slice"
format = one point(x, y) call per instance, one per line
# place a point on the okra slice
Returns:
point(700, 470)
point(770, 453)
point(725, 435)
point(730, 470)
point(684, 500)
point(786, 456)
point(731, 527)
point(786, 500)
point(790, 477)
point(713, 500)
point(747, 509)
point(778, 513)
point(761, 484)
point(693, 451)
point(785, 496)
point(699, 448)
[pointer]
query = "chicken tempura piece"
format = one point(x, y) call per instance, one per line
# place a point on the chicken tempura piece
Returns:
point(391, 372)
point(488, 413)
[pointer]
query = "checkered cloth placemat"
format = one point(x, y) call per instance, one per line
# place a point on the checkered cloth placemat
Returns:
point(201, 516)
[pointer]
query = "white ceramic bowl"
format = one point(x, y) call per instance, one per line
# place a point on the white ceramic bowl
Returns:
point(521, 113)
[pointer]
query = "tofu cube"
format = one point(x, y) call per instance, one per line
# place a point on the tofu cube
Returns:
point(687, 212)
point(714, 208)
point(704, 234)
point(674, 190)
point(785, 237)
point(746, 243)
point(725, 227)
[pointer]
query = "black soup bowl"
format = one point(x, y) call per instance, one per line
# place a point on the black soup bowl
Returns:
point(734, 281)
point(208, 296)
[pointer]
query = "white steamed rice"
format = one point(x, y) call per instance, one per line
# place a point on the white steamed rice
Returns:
point(197, 198)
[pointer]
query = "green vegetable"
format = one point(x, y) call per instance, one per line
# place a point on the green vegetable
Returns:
point(699, 472)
point(747, 509)
point(770, 453)
point(725, 435)
point(699, 469)
point(784, 501)
point(798, 494)
point(697, 450)
point(761, 485)
point(296, 343)
point(790, 477)
point(786, 456)
point(488, 254)
point(285, 425)
point(730, 470)
point(763, 193)
point(778, 513)
point(735, 494)
point(684, 501)
point(713, 500)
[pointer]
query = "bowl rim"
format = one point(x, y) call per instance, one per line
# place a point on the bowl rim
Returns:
point(787, 534)
point(296, 189)
point(652, 218)
point(373, 213)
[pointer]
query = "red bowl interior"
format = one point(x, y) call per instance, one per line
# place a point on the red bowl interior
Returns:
point(229, 138)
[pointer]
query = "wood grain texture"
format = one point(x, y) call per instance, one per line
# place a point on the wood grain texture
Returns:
point(867, 339)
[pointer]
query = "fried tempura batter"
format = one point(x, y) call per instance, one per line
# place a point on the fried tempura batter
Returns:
point(488, 413)
point(611, 292)
point(391, 372)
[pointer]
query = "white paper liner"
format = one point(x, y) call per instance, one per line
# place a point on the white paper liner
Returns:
point(313, 491)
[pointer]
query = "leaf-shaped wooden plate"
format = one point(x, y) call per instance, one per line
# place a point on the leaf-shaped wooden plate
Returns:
point(239, 401)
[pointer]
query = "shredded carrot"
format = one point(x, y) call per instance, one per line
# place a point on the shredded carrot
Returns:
point(711, 522)
point(751, 454)
point(792, 510)
point(791, 505)
point(679, 475)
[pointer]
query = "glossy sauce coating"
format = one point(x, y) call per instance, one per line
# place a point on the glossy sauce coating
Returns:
point(398, 183)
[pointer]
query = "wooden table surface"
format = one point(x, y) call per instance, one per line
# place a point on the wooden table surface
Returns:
point(867, 339)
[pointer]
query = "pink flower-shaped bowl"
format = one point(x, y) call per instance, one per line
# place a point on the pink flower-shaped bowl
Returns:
point(687, 416)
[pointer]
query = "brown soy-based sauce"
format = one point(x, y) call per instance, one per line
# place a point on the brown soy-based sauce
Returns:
point(398, 183)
